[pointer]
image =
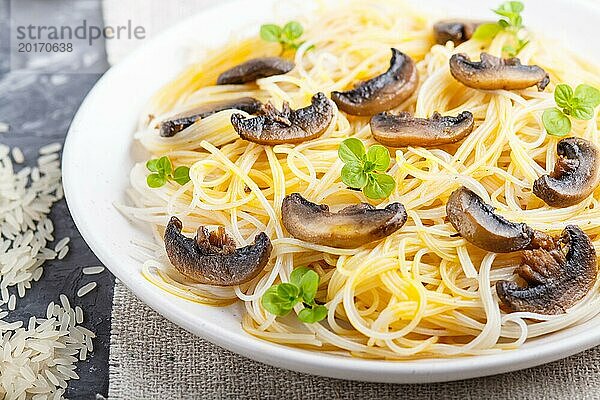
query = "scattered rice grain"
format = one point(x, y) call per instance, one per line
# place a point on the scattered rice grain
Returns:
point(35, 174)
point(83, 353)
point(61, 244)
point(93, 270)
point(64, 301)
point(36, 361)
point(17, 155)
point(89, 344)
point(85, 289)
point(63, 252)
point(78, 315)
point(37, 274)
point(44, 160)
point(50, 148)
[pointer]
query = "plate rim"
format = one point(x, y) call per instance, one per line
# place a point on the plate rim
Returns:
point(311, 362)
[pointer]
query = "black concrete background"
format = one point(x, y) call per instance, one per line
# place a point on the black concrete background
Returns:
point(39, 108)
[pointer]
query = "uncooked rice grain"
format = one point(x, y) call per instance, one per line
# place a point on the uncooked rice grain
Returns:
point(85, 289)
point(4, 127)
point(37, 274)
point(78, 315)
point(47, 159)
point(89, 343)
point(43, 353)
point(12, 302)
point(61, 244)
point(50, 148)
point(63, 252)
point(64, 301)
point(17, 155)
point(39, 360)
point(25, 230)
point(93, 270)
point(35, 174)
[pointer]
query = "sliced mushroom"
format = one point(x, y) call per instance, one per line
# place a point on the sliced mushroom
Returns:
point(576, 174)
point(405, 130)
point(456, 31)
point(350, 227)
point(286, 126)
point(212, 258)
point(556, 278)
point(477, 222)
point(254, 69)
point(383, 92)
point(179, 122)
point(497, 73)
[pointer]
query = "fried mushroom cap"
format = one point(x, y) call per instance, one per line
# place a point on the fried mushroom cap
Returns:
point(254, 69)
point(350, 227)
point(575, 177)
point(456, 31)
point(493, 73)
point(286, 126)
point(556, 278)
point(212, 258)
point(181, 121)
point(405, 130)
point(477, 222)
point(383, 92)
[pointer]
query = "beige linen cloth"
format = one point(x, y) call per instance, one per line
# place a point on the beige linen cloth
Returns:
point(151, 358)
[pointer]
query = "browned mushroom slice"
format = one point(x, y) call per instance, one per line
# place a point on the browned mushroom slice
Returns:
point(477, 222)
point(286, 126)
point(351, 227)
point(383, 92)
point(179, 122)
point(556, 279)
point(212, 258)
point(456, 31)
point(497, 73)
point(405, 130)
point(576, 174)
point(254, 69)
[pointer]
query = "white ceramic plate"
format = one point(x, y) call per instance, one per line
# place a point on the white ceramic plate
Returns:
point(99, 154)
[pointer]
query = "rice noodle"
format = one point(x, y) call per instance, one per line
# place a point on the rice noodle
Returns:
point(421, 292)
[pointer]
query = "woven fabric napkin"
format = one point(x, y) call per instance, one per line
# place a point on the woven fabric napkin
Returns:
point(151, 358)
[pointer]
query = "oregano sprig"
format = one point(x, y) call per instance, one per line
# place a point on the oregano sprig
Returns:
point(280, 299)
point(579, 104)
point(288, 35)
point(162, 170)
point(365, 170)
point(511, 21)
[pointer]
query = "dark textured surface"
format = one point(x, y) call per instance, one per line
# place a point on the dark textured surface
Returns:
point(39, 109)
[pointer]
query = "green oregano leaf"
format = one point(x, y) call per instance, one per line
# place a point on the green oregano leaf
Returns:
point(556, 122)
